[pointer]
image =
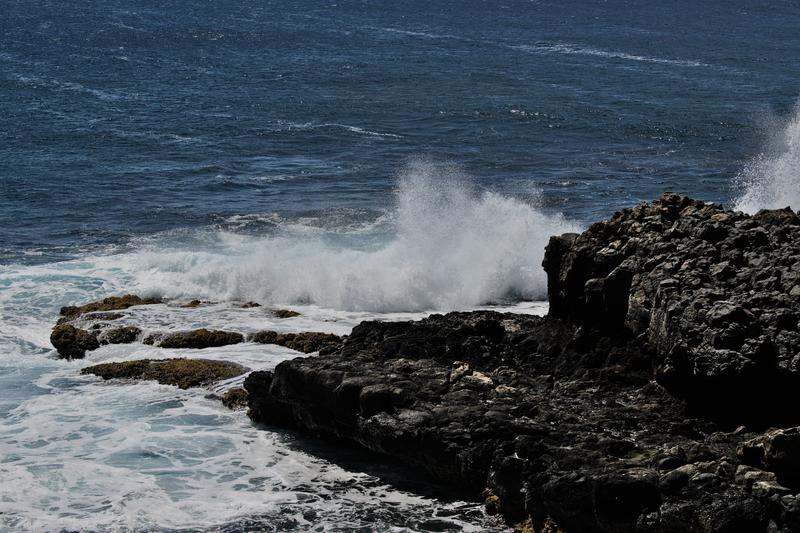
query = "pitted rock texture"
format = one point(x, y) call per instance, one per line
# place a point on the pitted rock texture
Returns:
point(306, 341)
point(195, 339)
point(84, 328)
point(183, 373)
point(715, 292)
point(112, 303)
point(559, 422)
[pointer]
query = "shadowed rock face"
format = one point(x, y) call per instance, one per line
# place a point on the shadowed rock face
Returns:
point(716, 293)
point(559, 420)
point(183, 373)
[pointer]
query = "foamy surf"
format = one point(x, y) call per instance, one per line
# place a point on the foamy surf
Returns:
point(135, 456)
point(452, 247)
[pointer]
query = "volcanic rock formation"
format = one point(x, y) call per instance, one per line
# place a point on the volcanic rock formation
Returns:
point(660, 393)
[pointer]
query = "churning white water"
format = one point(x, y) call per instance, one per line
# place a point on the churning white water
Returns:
point(77, 453)
point(452, 246)
point(772, 180)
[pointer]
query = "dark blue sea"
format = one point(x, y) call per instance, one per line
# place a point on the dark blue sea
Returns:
point(349, 160)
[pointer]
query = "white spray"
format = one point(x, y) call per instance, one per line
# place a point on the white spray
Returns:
point(772, 180)
point(454, 247)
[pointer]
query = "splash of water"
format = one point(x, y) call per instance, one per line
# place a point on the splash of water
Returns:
point(453, 247)
point(772, 180)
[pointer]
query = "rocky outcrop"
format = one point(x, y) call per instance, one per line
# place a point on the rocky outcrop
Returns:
point(716, 293)
point(87, 327)
point(182, 373)
point(634, 406)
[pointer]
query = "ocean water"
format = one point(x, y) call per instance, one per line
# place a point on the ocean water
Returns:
point(351, 160)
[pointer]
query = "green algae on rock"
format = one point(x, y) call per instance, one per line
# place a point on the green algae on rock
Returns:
point(235, 398)
point(112, 303)
point(72, 342)
point(121, 335)
point(197, 339)
point(306, 342)
point(183, 373)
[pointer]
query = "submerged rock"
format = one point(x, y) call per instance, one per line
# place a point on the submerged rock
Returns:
point(284, 313)
point(561, 418)
point(183, 373)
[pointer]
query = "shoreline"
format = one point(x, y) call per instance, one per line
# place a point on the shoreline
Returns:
point(655, 396)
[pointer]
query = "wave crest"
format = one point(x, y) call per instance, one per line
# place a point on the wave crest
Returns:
point(453, 247)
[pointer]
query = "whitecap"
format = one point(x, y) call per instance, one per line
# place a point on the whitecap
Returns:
point(573, 49)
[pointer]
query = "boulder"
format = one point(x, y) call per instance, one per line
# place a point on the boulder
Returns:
point(284, 313)
point(121, 335)
point(235, 398)
point(72, 342)
point(112, 303)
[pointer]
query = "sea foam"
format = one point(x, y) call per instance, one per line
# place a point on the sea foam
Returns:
point(453, 246)
point(772, 179)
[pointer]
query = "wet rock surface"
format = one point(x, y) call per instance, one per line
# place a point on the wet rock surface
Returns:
point(642, 403)
point(235, 398)
point(112, 303)
point(284, 313)
point(306, 342)
point(84, 328)
point(182, 373)
point(196, 339)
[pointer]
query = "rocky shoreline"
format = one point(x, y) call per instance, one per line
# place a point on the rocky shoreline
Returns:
point(659, 394)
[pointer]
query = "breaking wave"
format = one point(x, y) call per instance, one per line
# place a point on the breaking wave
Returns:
point(772, 179)
point(453, 246)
